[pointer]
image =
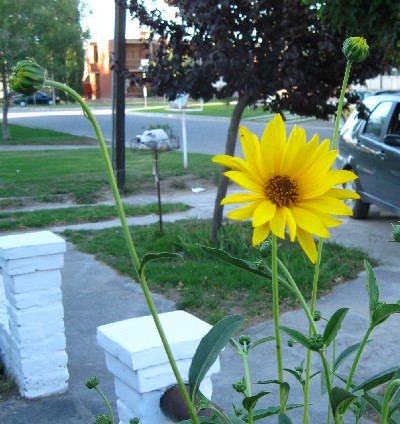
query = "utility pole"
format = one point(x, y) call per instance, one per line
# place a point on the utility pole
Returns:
point(119, 92)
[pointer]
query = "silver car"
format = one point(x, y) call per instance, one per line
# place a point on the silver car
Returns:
point(369, 145)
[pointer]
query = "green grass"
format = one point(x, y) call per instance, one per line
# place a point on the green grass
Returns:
point(36, 136)
point(210, 109)
point(77, 215)
point(205, 286)
point(80, 176)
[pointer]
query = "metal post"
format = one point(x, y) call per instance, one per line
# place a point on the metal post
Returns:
point(119, 70)
point(184, 140)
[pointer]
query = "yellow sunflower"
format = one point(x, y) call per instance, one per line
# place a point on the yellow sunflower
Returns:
point(291, 185)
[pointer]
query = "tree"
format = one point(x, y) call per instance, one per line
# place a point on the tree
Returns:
point(47, 30)
point(377, 20)
point(259, 48)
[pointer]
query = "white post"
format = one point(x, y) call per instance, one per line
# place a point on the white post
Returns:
point(34, 353)
point(142, 373)
point(184, 140)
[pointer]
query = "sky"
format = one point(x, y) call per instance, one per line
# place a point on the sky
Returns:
point(101, 21)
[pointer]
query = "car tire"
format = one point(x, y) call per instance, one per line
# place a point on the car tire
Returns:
point(360, 209)
point(22, 104)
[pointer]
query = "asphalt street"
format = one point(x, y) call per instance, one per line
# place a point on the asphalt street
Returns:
point(204, 134)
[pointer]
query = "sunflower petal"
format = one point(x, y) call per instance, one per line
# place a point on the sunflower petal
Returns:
point(342, 194)
point(245, 180)
point(309, 222)
point(278, 223)
point(243, 213)
point(264, 212)
point(307, 244)
point(291, 223)
point(327, 205)
point(273, 144)
point(242, 198)
point(260, 234)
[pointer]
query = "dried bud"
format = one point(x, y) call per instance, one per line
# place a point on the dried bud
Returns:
point(92, 383)
point(355, 49)
point(27, 77)
point(316, 342)
point(290, 342)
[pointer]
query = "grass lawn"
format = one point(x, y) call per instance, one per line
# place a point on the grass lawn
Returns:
point(36, 136)
point(218, 109)
point(79, 175)
point(78, 215)
point(207, 287)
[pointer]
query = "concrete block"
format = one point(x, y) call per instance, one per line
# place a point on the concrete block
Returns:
point(31, 333)
point(38, 299)
point(33, 281)
point(137, 343)
point(141, 403)
point(40, 386)
point(31, 244)
point(152, 417)
point(32, 264)
point(36, 316)
point(38, 345)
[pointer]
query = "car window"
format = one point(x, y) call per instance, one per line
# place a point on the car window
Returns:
point(395, 123)
point(377, 119)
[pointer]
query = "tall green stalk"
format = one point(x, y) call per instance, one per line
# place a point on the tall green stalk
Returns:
point(132, 251)
point(275, 306)
point(310, 331)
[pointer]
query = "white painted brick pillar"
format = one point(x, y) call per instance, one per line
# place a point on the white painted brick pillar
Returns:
point(135, 356)
point(30, 265)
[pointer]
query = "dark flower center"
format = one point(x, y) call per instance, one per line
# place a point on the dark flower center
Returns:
point(282, 191)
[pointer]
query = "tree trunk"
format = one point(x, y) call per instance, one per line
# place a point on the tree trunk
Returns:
point(6, 133)
point(229, 150)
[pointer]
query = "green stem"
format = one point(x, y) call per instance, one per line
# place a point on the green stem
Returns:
point(386, 400)
point(248, 383)
point(275, 303)
point(310, 331)
point(132, 251)
point(340, 105)
point(107, 404)
point(357, 357)
point(311, 321)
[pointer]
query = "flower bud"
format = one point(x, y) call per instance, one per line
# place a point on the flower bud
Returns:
point(92, 383)
point(396, 232)
point(240, 386)
point(244, 339)
point(27, 77)
point(355, 49)
point(265, 248)
point(290, 342)
point(316, 342)
point(317, 315)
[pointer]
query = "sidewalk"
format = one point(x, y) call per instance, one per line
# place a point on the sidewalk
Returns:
point(94, 295)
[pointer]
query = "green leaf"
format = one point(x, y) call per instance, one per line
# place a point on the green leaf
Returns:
point(261, 341)
point(233, 419)
point(284, 385)
point(296, 335)
point(250, 402)
point(333, 325)
point(157, 256)
point(376, 402)
point(296, 375)
point(210, 347)
point(245, 265)
point(340, 400)
point(283, 419)
point(383, 311)
point(378, 379)
point(202, 420)
point(345, 354)
point(259, 414)
point(372, 288)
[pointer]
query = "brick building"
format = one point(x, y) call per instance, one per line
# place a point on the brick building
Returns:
point(97, 79)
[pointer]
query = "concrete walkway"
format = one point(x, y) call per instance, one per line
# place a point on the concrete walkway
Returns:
point(94, 294)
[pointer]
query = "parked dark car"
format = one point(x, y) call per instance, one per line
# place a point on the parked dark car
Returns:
point(369, 145)
point(37, 98)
